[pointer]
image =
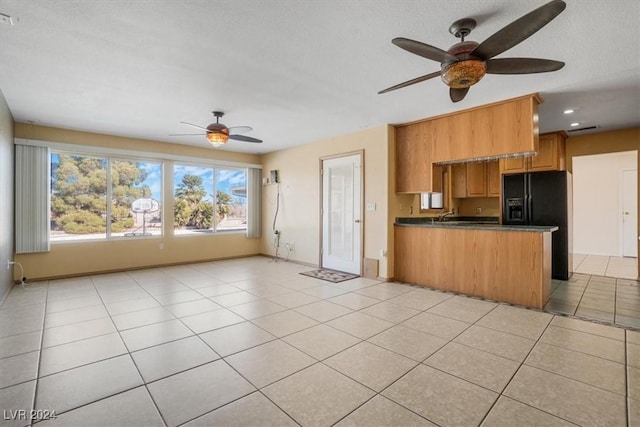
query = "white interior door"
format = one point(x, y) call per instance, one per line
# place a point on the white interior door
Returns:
point(341, 214)
point(630, 213)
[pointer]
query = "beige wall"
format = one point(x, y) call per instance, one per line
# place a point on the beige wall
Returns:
point(6, 195)
point(67, 259)
point(299, 214)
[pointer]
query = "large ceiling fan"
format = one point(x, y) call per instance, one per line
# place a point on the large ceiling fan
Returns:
point(466, 62)
point(218, 134)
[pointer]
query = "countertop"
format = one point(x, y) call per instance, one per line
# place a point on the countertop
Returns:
point(478, 224)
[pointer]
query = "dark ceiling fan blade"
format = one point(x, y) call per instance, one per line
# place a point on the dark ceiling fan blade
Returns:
point(245, 138)
point(235, 130)
point(424, 50)
point(186, 134)
point(522, 65)
point(457, 95)
point(195, 126)
point(411, 82)
point(518, 30)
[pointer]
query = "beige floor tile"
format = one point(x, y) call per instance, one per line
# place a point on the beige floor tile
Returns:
point(633, 355)
point(509, 413)
point(190, 308)
point(255, 309)
point(235, 298)
point(495, 342)
point(85, 384)
point(463, 308)
point(441, 398)
point(77, 331)
point(569, 399)
point(133, 407)
point(634, 412)
point(323, 311)
point(633, 337)
point(420, 299)
point(211, 320)
point(18, 369)
point(633, 382)
point(371, 365)
point(589, 327)
point(582, 367)
point(178, 297)
point(167, 359)
point(324, 291)
point(17, 398)
point(354, 301)
point(68, 317)
point(390, 312)
point(19, 344)
point(252, 410)
point(525, 323)
point(408, 342)
point(78, 353)
point(141, 318)
point(380, 411)
point(158, 333)
point(235, 338)
point(190, 394)
point(594, 345)
point(127, 306)
point(293, 299)
point(476, 366)
point(266, 363)
point(436, 325)
point(318, 395)
point(385, 291)
point(284, 323)
point(360, 325)
point(321, 341)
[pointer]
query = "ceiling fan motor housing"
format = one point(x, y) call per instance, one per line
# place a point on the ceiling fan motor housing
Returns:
point(465, 72)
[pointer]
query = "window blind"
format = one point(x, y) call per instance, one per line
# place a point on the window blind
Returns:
point(254, 189)
point(32, 169)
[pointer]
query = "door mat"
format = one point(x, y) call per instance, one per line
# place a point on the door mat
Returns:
point(330, 275)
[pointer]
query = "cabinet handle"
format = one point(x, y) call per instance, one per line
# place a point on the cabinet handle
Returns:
point(357, 221)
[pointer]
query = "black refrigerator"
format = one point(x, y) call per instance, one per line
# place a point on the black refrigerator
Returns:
point(543, 198)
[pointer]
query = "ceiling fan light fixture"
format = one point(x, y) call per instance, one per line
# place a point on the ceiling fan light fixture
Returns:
point(217, 134)
point(463, 74)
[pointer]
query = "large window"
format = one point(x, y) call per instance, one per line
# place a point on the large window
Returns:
point(208, 200)
point(98, 197)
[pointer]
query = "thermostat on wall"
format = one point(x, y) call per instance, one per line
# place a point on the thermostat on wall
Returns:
point(275, 176)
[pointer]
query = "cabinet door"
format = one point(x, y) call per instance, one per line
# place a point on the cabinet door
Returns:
point(459, 181)
point(514, 165)
point(493, 179)
point(413, 158)
point(547, 157)
point(476, 182)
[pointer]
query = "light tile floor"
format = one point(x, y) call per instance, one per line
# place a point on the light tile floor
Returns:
point(252, 342)
point(591, 295)
point(610, 266)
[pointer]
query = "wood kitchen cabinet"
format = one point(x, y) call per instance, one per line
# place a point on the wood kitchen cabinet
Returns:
point(493, 130)
point(476, 179)
point(550, 156)
point(413, 158)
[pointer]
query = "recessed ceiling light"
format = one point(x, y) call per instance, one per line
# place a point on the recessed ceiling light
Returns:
point(569, 111)
point(575, 124)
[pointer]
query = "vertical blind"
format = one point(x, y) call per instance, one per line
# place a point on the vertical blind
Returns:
point(254, 188)
point(32, 171)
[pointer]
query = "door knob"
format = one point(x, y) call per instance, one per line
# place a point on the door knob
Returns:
point(626, 213)
point(357, 221)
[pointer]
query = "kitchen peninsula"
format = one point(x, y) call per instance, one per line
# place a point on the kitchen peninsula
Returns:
point(499, 262)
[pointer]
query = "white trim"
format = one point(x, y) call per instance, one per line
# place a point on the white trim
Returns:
point(90, 149)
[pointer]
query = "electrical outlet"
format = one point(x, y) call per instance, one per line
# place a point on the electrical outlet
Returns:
point(478, 210)
point(292, 246)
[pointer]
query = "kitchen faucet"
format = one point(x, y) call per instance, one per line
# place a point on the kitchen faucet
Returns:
point(442, 215)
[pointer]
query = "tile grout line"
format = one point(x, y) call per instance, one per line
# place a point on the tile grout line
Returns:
point(130, 357)
point(35, 388)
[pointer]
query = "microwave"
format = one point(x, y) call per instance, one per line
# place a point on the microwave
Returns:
point(431, 200)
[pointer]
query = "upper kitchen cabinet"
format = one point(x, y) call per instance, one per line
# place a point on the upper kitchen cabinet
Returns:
point(508, 127)
point(475, 179)
point(413, 158)
point(550, 156)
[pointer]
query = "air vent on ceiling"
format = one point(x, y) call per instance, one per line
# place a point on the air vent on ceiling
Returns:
point(6, 19)
point(581, 129)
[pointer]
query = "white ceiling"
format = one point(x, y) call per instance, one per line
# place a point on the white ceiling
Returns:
point(297, 71)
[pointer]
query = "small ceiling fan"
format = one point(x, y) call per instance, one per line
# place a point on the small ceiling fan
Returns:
point(466, 62)
point(218, 134)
